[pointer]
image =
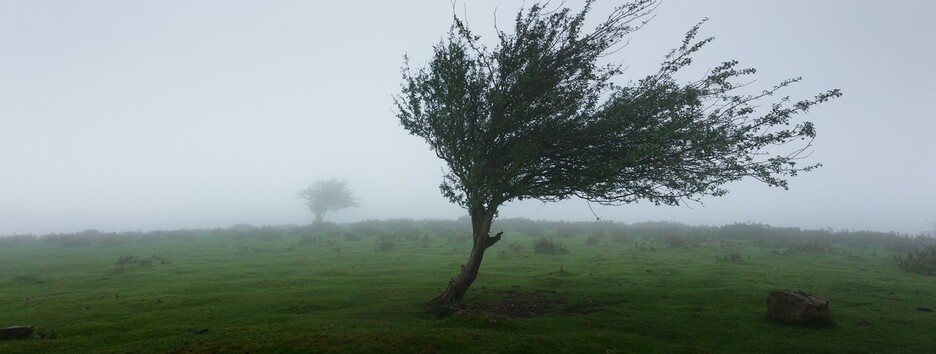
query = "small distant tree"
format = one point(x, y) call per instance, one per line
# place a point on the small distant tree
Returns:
point(537, 116)
point(325, 196)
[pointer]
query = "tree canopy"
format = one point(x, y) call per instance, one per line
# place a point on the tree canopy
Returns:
point(325, 196)
point(540, 116)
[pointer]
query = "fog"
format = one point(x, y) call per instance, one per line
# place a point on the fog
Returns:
point(125, 116)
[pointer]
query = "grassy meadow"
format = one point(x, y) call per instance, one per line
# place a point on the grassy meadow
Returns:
point(547, 287)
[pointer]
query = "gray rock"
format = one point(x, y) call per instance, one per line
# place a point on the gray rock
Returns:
point(798, 307)
point(16, 332)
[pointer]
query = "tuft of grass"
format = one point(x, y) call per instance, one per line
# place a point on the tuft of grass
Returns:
point(544, 245)
point(128, 260)
point(316, 240)
point(731, 257)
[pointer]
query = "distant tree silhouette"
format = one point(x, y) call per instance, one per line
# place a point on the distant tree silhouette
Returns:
point(325, 196)
point(537, 117)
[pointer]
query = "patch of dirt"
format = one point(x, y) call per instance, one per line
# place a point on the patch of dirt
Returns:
point(520, 303)
point(584, 309)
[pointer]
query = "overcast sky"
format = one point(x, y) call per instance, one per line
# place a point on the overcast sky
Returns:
point(141, 115)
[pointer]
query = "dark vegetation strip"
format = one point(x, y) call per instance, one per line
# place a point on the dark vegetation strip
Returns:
point(390, 232)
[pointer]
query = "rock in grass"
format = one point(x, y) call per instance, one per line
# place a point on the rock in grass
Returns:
point(926, 309)
point(798, 307)
point(16, 332)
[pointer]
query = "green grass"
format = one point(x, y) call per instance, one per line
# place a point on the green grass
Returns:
point(605, 297)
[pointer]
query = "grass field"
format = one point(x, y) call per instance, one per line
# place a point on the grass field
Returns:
point(361, 288)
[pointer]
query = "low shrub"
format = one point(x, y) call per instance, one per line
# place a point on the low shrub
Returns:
point(681, 241)
point(405, 229)
point(620, 236)
point(809, 247)
point(240, 231)
point(920, 261)
point(515, 246)
point(424, 241)
point(16, 240)
point(594, 238)
point(366, 228)
point(459, 237)
point(731, 257)
point(385, 243)
point(271, 235)
point(75, 241)
point(569, 230)
point(644, 246)
point(514, 250)
point(545, 245)
point(81, 239)
point(316, 240)
point(129, 260)
point(114, 240)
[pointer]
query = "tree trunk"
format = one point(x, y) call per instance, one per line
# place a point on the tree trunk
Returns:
point(319, 215)
point(451, 297)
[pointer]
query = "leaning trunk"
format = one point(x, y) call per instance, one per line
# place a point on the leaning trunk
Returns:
point(451, 298)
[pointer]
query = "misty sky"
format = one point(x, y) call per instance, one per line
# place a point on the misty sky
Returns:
point(141, 115)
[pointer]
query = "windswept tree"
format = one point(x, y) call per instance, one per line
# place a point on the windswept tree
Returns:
point(539, 116)
point(325, 196)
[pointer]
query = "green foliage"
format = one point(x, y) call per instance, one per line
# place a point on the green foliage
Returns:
point(425, 241)
point(324, 196)
point(595, 238)
point(644, 246)
point(81, 239)
point(681, 241)
point(516, 246)
point(114, 239)
point(385, 242)
point(316, 239)
point(367, 227)
point(128, 260)
point(17, 240)
point(514, 249)
point(325, 229)
point(782, 238)
point(731, 257)
point(536, 116)
point(809, 247)
point(545, 245)
point(921, 261)
point(459, 238)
